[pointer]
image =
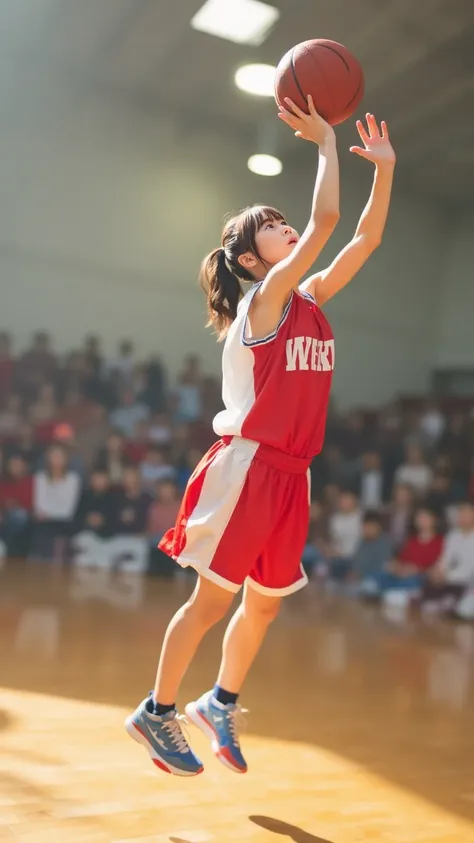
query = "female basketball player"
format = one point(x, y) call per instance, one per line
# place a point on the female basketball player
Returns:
point(244, 516)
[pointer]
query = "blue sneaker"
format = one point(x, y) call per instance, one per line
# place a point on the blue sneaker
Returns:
point(217, 721)
point(163, 738)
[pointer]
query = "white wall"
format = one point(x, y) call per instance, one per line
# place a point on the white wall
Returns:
point(455, 346)
point(106, 215)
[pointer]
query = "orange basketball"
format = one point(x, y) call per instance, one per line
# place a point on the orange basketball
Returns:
point(326, 70)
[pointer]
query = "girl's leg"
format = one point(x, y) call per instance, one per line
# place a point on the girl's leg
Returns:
point(244, 637)
point(215, 713)
point(206, 606)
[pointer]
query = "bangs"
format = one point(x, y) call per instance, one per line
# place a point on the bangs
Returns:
point(257, 215)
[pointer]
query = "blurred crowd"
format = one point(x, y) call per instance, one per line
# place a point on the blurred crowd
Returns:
point(95, 454)
point(392, 513)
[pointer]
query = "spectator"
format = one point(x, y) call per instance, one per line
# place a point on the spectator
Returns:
point(131, 505)
point(76, 409)
point(124, 364)
point(64, 436)
point(55, 497)
point(96, 510)
point(111, 458)
point(129, 548)
point(422, 550)
point(356, 437)
point(188, 391)
point(186, 466)
point(163, 511)
point(400, 514)
point(418, 555)
point(38, 365)
point(11, 416)
point(345, 531)
point(45, 408)
point(24, 445)
point(93, 354)
point(94, 522)
point(316, 550)
point(96, 389)
point(161, 517)
point(155, 468)
point(432, 424)
point(136, 449)
point(128, 414)
point(154, 393)
point(160, 430)
point(455, 438)
point(333, 470)
point(440, 493)
point(453, 575)
point(373, 553)
point(181, 442)
point(16, 504)
point(331, 494)
point(73, 373)
point(7, 366)
point(371, 481)
point(414, 470)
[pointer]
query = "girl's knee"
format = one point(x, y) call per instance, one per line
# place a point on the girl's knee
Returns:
point(209, 603)
point(261, 608)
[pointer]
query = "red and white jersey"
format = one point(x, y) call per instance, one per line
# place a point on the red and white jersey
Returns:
point(276, 389)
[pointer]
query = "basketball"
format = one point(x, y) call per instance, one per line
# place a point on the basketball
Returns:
point(326, 70)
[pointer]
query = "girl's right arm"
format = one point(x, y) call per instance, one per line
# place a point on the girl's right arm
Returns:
point(286, 275)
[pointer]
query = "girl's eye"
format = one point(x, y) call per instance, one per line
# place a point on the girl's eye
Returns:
point(269, 225)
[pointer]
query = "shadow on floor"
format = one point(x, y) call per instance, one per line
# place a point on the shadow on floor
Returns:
point(298, 835)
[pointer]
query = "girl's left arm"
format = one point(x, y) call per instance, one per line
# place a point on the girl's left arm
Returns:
point(378, 149)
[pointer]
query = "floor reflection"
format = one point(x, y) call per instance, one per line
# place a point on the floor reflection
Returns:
point(396, 698)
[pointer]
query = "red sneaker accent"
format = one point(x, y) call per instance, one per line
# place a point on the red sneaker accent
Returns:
point(140, 730)
point(160, 765)
point(226, 753)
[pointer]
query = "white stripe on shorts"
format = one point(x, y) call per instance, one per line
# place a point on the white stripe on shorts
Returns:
point(220, 493)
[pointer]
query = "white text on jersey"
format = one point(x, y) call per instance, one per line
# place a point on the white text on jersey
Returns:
point(304, 353)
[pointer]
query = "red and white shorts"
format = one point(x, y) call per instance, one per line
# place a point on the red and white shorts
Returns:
point(244, 517)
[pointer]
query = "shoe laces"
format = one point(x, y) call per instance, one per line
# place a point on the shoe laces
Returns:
point(177, 733)
point(235, 718)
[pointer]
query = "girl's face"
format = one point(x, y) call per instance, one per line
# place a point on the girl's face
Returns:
point(275, 240)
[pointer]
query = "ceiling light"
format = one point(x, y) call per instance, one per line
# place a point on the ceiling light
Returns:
point(258, 79)
point(241, 21)
point(265, 165)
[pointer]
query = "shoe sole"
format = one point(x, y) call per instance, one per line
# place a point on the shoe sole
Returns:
point(135, 732)
point(197, 718)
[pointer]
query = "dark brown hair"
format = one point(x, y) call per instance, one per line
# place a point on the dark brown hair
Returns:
point(221, 271)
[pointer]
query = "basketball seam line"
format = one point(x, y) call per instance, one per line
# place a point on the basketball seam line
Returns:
point(356, 93)
point(327, 47)
point(295, 76)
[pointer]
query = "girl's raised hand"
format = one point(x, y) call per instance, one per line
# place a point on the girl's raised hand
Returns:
point(377, 147)
point(310, 126)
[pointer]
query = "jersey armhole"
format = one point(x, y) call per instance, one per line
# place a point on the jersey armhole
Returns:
point(307, 295)
point(250, 343)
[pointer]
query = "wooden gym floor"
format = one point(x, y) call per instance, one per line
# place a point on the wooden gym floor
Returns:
point(360, 727)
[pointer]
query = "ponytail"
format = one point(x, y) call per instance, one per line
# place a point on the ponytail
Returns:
point(223, 291)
